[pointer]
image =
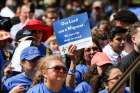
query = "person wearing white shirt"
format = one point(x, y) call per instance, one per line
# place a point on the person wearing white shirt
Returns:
point(116, 44)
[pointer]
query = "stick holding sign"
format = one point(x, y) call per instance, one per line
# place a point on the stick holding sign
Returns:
point(73, 30)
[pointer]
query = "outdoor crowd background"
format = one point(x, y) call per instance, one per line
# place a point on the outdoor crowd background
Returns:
point(30, 60)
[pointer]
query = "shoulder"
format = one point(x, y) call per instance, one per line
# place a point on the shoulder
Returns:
point(106, 48)
point(103, 91)
point(132, 56)
point(13, 81)
point(66, 90)
point(83, 87)
point(15, 78)
point(81, 66)
point(127, 60)
point(36, 88)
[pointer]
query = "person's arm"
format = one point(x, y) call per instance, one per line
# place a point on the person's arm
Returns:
point(70, 79)
point(17, 89)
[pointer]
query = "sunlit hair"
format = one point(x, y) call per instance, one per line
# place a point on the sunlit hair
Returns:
point(46, 60)
point(134, 28)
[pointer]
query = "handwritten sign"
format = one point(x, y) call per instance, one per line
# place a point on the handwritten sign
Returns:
point(73, 30)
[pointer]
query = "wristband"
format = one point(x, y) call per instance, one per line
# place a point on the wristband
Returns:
point(71, 71)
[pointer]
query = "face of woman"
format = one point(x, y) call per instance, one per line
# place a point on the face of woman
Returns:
point(54, 46)
point(55, 72)
point(89, 52)
point(114, 76)
point(38, 35)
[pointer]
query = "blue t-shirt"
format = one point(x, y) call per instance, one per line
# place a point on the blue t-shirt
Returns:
point(83, 87)
point(16, 80)
point(81, 69)
point(41, 88)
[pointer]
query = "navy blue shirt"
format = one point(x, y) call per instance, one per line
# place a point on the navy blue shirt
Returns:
point(41, 88)
point(16, 80)
point(1, 61)
point(42, 49)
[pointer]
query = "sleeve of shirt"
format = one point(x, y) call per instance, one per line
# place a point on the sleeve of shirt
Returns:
point(6, 87)
point(30, 91)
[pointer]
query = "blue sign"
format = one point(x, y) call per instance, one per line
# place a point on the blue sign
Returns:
point(72, 29)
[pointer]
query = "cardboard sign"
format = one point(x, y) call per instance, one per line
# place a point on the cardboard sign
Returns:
point(73, 30)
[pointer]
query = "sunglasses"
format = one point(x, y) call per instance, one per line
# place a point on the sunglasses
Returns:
point(93, 48)
point(58, 68)
point(115, 78)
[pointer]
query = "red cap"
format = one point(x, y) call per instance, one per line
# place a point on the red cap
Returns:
point(4, 35)
point(100, 59)
point(35, 24)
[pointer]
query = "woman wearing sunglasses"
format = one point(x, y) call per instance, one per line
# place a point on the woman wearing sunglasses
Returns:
point(110, 77)
point(54, 73)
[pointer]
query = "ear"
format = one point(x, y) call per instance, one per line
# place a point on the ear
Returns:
point(133, 38)
point(22, 63)
point(44, 73)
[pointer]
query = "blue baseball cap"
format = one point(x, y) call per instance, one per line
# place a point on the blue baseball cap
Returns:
point(30, 53)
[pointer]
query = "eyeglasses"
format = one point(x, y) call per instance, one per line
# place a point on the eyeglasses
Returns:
point(115, 78)
point(93, 48)
point(96, 8)
point(58, 68)
point(51, 17)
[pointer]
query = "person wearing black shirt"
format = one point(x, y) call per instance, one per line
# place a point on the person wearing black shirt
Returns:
point(131, 57)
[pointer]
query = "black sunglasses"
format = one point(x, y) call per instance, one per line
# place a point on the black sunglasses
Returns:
point(58, 68)
point(93, 48)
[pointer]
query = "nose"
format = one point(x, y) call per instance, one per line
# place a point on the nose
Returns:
point(53, 19)
point(122, 42)
point(62, 70)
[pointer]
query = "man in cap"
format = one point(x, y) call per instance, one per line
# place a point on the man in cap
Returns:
point(23, 39)
point(21, 83)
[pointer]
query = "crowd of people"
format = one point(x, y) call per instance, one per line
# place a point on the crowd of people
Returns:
point(30, 59)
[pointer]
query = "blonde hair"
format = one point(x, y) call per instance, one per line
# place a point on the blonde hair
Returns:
point(42, 66)
point(45, 61)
